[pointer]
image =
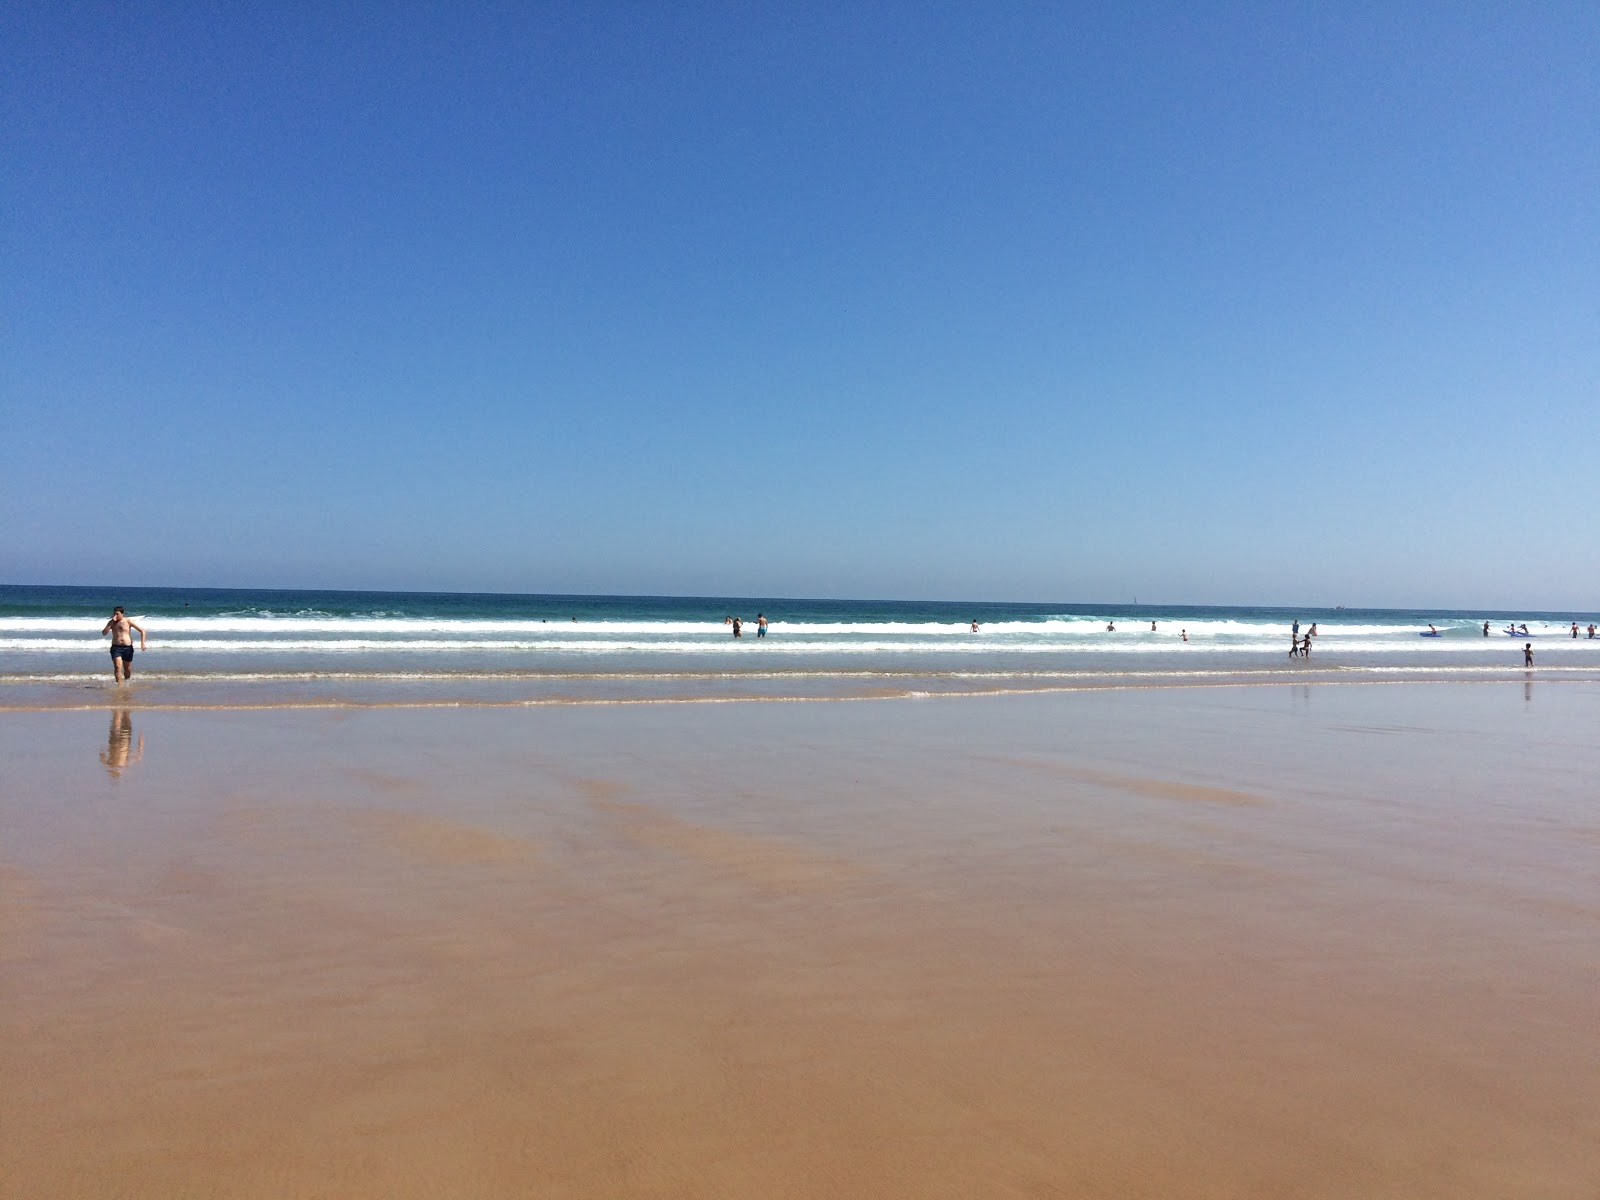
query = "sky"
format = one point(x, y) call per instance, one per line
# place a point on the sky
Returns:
point(1233, 304)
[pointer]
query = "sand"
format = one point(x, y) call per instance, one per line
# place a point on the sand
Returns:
point(1310, 941)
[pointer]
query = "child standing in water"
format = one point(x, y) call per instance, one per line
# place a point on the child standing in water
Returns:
point(122, 630)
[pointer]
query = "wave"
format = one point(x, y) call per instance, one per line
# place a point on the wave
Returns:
point(385, 623)
point(780, 646)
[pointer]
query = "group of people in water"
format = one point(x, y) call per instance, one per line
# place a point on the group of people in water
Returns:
point(1301, 646)
point(1522, 629)
point(738, 625)
point(122, 630)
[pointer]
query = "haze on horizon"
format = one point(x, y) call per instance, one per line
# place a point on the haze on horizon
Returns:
point(1236, 306)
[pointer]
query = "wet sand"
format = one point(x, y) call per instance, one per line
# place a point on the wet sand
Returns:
point(1311, 941)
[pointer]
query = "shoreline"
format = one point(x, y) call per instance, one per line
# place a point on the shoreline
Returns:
point(129, 696)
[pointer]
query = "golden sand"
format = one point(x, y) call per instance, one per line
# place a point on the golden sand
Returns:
point(1177, 944)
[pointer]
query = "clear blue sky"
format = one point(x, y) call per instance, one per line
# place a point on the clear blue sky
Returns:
point(1233, 304)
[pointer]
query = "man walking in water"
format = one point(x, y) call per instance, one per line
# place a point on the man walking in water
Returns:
point(121, 631)
point(1527, 654)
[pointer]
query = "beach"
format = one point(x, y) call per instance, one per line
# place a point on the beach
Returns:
point(1308, 939)
point(268, 649)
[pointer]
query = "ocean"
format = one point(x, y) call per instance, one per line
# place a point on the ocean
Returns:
point(210, 647)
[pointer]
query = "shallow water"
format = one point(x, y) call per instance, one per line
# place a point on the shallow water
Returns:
point(277, 648)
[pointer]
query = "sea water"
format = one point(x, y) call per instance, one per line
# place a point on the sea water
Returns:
point(230, 647)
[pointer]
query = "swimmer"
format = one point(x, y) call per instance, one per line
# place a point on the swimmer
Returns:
point(121, 630)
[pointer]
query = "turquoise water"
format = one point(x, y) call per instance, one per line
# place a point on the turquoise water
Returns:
point(212, 646)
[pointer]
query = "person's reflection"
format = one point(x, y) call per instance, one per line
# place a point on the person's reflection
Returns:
point(1527, 690)
point(122, 749)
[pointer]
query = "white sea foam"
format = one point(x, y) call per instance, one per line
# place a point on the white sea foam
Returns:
point(308, 644)
point(1075, 627)
point(786, 644)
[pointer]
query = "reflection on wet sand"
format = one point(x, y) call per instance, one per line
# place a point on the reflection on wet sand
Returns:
point(1204, 944)
point(123, 748)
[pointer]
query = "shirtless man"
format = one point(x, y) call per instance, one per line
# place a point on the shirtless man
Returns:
point(121, 631)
